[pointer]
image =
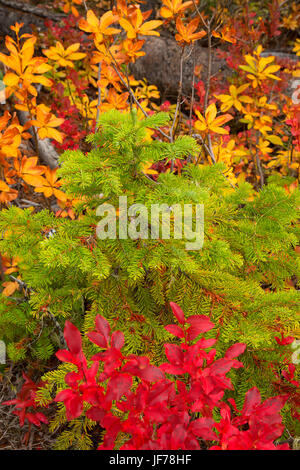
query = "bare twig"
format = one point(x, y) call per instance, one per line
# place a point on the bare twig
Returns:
point(128, 84)
point(31, 203)
point(178, 103)
point(61, 334)
point(192, 102)
point(207, 88)
point(99, 95)
point(258, 165)
point(212, 155)
point(1, 269)
point(208, 26)
point(211, 151)
point(35, 138)
point(128, 88)
point(208, 149)
point(150, 179)
point(130, 91)
point(85, 5)
point(199, 14)
point(193, 95)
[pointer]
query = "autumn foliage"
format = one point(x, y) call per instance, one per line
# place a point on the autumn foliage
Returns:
point(245, 124)
point(128, 395)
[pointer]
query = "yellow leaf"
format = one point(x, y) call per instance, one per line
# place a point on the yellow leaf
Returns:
point(274, 139)
point(9, 288)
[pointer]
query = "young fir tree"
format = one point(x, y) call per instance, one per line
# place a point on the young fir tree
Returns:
point(239, 277)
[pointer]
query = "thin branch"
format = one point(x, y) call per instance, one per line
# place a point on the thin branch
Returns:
point(150, 179)
point(178, 104)
point(258, 164)
point(128, 88)
point(209, 56)
point(199, 14)
point(85, 5)
point(130, 91)
point(207, 24)
point(31, 203)
point(212, 156)
point(193, 95)
point(99, 95)
point(61, 334)
point(1, 269)
point(128, 84)
point(209, 150)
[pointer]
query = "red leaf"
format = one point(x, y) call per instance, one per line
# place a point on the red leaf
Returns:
point(73, 403)
point(202, 428)
point(170, 369)
point(140, 367)
point(252, 400)
point(159, 393)
point(97, 338)
point(174, 353)
point(102, 326)
point(175, 330)
point(64, 395)
point(21, 415)
point(151, 374)
point(41, 417)
point(284, 340)
point(95, 413)
point(178, 313)
point(65, 356)
point(10, 402)
point(74, 407)
point(233, 404)
point(199, 324)
point(222, 366)
point(92, 394)
point(235, 350)
point(72, 337)
point(117, 340)
point(72, 378)
point(206, 343)
point(32, 418)
point(178, 437)
point(118, 386)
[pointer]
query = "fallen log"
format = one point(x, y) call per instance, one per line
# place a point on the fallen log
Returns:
point(12, 11)
point(160, 65)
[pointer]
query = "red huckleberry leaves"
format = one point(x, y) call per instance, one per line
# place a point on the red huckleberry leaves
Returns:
point(235, 350)
point(178, 313)
point(199, 324)
point(129, 395)
point(175, 330)
point(73, 338)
